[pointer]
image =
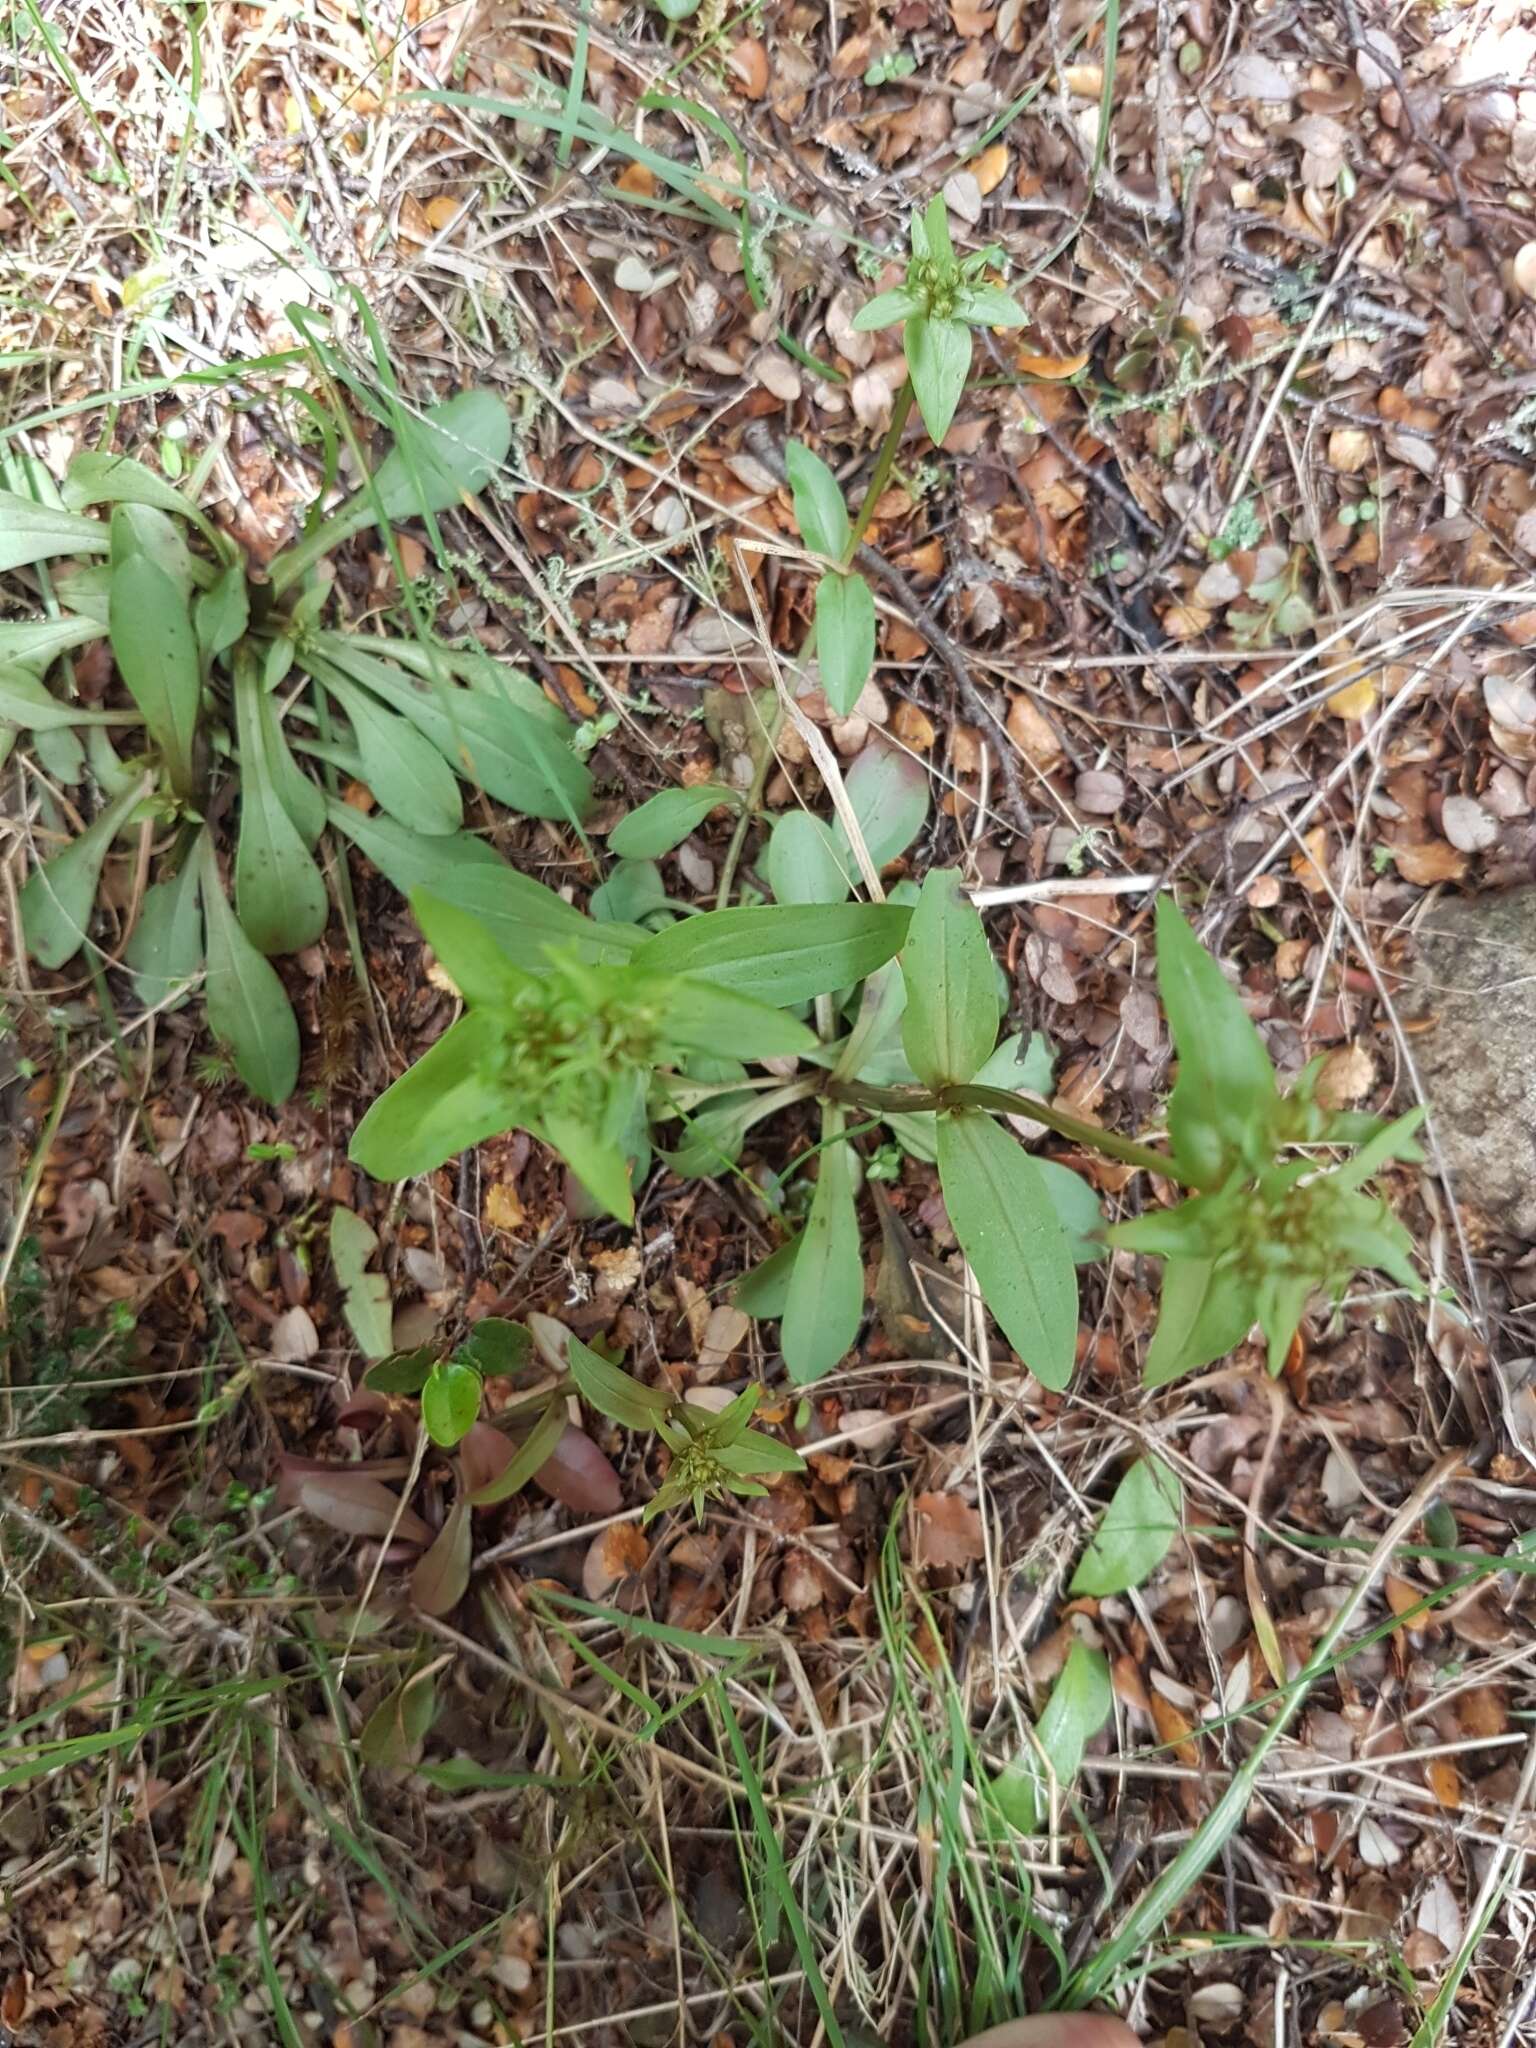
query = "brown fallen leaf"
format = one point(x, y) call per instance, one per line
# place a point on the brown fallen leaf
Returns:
point(948, 1531)
point(1050, 369)
point(1436, 860)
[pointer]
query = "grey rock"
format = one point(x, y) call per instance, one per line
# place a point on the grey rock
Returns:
point(1474, 995)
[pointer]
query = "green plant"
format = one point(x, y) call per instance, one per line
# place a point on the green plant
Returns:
point(243, 705)
point(941, 299)
point(598, 1037)
point(527, 1437)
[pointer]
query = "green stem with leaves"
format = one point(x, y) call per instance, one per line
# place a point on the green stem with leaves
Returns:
point(885, 461)
point(908, 1101)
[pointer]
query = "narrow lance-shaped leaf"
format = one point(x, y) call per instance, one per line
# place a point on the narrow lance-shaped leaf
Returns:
point(400, 765)
point(845, 637)
point(279, 891)
point(614, 1392)
point(1079, 1706)
point(939, 360)
point(820, 513)
point(30, 532)
point(1135, 1534)
point(97, 478)
point(441, 1579)
point(665, 820)
point(1005, 1218)
point(780, 953)
point(56, 902)
point(949, 1026)
point(248, 1007)
point(24, 701)
point(157, 657)
point(449, 454)
point(825, 1301)
point(439, 1107)
point(1220, 1108)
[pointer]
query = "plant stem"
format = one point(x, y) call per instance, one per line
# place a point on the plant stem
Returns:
point(1004, 1100)
point(884, 463)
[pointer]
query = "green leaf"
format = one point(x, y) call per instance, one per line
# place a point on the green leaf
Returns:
point(988, 305)
point(497, 1348)
point(803, 864)
point(222, 612)
point(820, 513)
point(450, 1401)
point(1080, 1704)
point(1077, 1211)
point(930, 235)
point(614, 1392)
point(1026, 1066)
point(534, 1451)
point(754, 1452)
point(400, 765)
point(365, 1296)
point(1005, 1218)
point(514, 757)
point(156, 653)
point(939, 361)
point(599, 1160)
point(889, 794)
point(1206, 1311)
point(417, 860)
point(56, 902)
point(665, 820)
point(35, 643)
point(439, 1107)
point(521, 915)
point(763, 1293)
point(845, 637)
point(476, 965)
point(165, 952)
point(94, 478)
point(1135, 1532)
point(401, 1372)
point(30, 532)
point(298, 794)
point(634, 890)
point(949, 1026)
point(25, 702)
point(781, 953)
point(696, 1015)
point(886, 309)
point(248, 1007)
point(1221, 1107)
point(279, 891)
point(825, 1302)
point(143, 531)
point(449, 454)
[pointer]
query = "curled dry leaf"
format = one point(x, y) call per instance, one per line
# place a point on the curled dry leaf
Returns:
point(578, 1476)
point(948, 1531)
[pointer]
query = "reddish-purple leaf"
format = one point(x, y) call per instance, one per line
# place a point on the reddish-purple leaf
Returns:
point(438, 1583)
point(578, 1476)
point(292, 1470)
point(365, 1406)
point(358, 1505)
point(484, 1454)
